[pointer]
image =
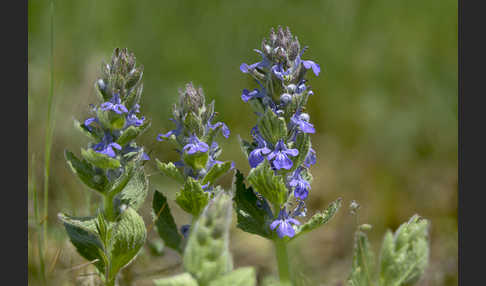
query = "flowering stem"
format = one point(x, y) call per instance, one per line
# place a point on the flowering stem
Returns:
point(282, 260)
point(108, 207)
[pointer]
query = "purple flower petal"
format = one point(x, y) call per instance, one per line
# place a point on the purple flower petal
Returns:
point(310, 64)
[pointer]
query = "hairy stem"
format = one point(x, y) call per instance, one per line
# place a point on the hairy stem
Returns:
point(282, 260)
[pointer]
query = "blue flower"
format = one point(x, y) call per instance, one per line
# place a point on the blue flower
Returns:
point(245, 68)
point(279, 71)
point(310, 159)
point(114, 104)
point(284, 224)
point(195, 145)
point(176, 131)
point(224, 128)
point(312, 65)
point(302, 121)
point(106, 146)
point(185, 230)
point(280, 154)
point(301, 186)
point(257, 155)
point(88, 122)
point(132, 119)
point(247, 95)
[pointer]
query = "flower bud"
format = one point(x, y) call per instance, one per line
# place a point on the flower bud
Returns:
point(304, 116)
point(285, 98)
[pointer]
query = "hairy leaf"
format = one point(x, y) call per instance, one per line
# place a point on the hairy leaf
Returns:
point(215, 172)
point(100, 160)
point(404, 255)
point(303, 144)
point(83, 234)
point(244, 276)
point(319, 219)
point(127, 238)
point(197, 160)
point(184, 279)
point(253, 213)
point(207, 254)
point(135, 191)
point(272, 127)
point(93, 178)
point(364, 268)
point(132, 132)
point(170, 170)
point(164, 222)
point(192, 197)
point(271, 186)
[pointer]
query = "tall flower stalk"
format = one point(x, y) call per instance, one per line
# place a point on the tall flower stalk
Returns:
point(280, 153)
point(112, 165)
point(195, 137)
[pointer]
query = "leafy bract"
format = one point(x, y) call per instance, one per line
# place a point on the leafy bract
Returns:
point(319, 219)
point(271, 186)
point(253, 213)
point(192, 197)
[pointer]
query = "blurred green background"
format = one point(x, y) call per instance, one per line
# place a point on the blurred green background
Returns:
point(385, 110)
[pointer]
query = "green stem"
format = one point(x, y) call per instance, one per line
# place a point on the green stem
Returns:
point(282, 260)
point(108, 207)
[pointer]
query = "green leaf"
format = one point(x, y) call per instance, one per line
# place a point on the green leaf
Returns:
point(184, 279)
point(170, 170)
point(272, 127)
point(271, 186)
point(132, 132)
point(135, 191)
point(215, 172)
point(207, 254)
point(197, 160)
point(99, 160)
point(164, 222)
point(404, 255)
point(82, 232)
point(93, 178)
point(111, 119)
point(251, 217)
point(257, 106)
point(244, 276)
point(128, 237)
point(363, 269)
point(192, 198)
point(319, 219)
point(303, 144)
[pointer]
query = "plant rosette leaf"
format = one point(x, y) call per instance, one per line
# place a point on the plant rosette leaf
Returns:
point(364, 266)
point(207, 255)
point(244, 276)
point(405, 254)
point(184, 279)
